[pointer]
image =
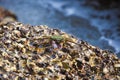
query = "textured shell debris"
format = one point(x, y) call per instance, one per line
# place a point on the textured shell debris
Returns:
point(28, 52)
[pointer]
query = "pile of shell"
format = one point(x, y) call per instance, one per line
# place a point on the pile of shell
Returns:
point(42, 53)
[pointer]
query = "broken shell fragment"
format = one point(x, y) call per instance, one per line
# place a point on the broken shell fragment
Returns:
point(105, 70)
point(117, 65)
point(17, 33)
point(8, 41)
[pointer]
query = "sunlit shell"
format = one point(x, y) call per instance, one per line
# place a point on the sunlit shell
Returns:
point(31, 48)
point(105, 70)
point(23, 50)
point(73, 40)
point(87, 53)
point(118, 77)
point(17, 33)
point(8, 41)
point(65, 36)
point(1, 63)
point(16, 78)
point(22, 63)
point(21, 39)
point(46, 79)
point(37, 69)
point(40, 50)
point(13, 68)
point(91, 61)
point(20, 45)
point(5, 75)
point(4, 54)
point(117, 65)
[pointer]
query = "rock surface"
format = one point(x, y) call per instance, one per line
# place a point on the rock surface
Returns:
point(6, 15)
point(41, 53)
point(103, 4)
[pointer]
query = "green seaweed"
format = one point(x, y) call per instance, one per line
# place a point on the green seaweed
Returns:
point(57, 37)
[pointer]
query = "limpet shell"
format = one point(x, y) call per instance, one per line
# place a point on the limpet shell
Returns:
point(105, 70)
point(117, 65)
point(17, 32)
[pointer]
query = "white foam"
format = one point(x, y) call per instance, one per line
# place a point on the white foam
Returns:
point(85, 12)
point(115, 44)
point(69, 11)
point(57, 5)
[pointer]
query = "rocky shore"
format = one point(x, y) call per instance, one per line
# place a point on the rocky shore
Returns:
point(41, 53)
point(6, 15)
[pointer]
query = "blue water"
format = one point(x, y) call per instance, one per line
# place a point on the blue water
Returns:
point(73, 17)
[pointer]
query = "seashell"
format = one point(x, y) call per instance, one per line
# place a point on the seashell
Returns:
point(61, 52)
point(87, 53)
point(8, 41)
point(65, 36)
point(31, 48)
point(84, 48)
point(118, 77)
point(28, 33)
point(105, 70)
point(1, 63)
point(59, 64)
point(22, 63)
point(23, 50)
point(36, 28)
point(4, 26)
point(71, 44)
point(13, 68)
point(40, 50)
point(42, 26)
point(22, 39)
point(30, 63)
point(51, 68)
point(73, 40)
point(5, 75)
point(16, 55)
point(37, 69)
point(56, 31)
point(37, 37)
point(45, 79)
point(19, 45)
point(93, 47)
point(17, 33)
point(111, 69)
point(5, 54)
point(17, 78)
point(117, 65)
point(83, 61)
point(91, 61)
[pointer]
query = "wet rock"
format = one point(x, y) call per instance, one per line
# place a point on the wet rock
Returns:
point(6, 15)
point(102, 4)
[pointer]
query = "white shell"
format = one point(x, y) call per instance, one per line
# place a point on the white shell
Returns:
point(117, 65)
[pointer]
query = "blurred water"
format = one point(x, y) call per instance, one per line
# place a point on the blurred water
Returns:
point(99, 27)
